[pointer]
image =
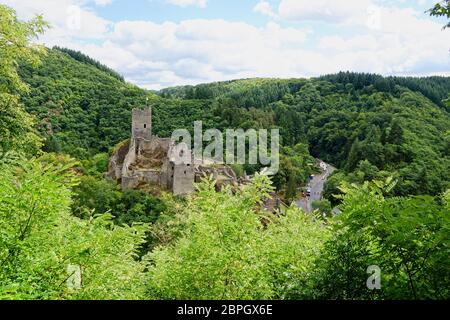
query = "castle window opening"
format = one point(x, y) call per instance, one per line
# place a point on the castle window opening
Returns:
point(145, 126)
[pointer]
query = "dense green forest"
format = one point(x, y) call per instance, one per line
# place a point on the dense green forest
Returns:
point(63, 113)
point(368, 126)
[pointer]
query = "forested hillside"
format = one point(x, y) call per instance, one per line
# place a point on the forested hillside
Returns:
point(82, 109)
point(434, 88)
point(366, 125)
point(62, 113)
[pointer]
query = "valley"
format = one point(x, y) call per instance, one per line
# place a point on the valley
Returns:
point(98, 201)
point(315, 188)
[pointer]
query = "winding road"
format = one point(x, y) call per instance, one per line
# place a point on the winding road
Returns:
point(316, 185)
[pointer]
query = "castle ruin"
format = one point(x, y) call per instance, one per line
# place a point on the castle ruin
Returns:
point(150, 160)
point(147, 160)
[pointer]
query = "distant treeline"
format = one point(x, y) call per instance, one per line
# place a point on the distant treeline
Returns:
point(261, 92)
point(434, 88)
point(79, 56)
point(245, 93)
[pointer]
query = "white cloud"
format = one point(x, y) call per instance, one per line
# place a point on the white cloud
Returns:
point(333, 11)
point(404, 43)
point(265, 8)
point(426, 2)
point(103, 3)
point(69, 19)
point(195, 51)
point(185, 3)
point(388, 40)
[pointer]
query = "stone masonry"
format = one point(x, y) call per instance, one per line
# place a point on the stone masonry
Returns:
point(147, 160)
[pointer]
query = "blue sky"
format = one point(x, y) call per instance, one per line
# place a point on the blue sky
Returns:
point(161, 10)
point(161, 43)
point(232, 10)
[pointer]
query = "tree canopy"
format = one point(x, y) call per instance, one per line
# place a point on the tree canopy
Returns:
point(68, 232)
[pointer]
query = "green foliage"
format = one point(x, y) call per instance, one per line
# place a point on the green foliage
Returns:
point(170, 224)
point(238, 169)
point(323, 206)
point(296, 165)
point(81, 110)
point(397, 124)
point(246, 93)
point(434, 88)
point(225, 252)
point(96, 195)
point(441, 9)
point(406, 237)
point(16, 126)
point(57, 213)
point(15, 47)
point(39, 239)
point(97, 165)
point(402, 134)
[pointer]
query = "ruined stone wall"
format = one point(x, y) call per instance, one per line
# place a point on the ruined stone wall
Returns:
point(155, 147)
point(167, 173)
point(180, 153)
point(151, 154)
point(129, 159)
point(142, 177)
point(129, 183)
point(183, 179)
point(153, 161)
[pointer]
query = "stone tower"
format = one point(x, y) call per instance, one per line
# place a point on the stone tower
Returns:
point(142, 123)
